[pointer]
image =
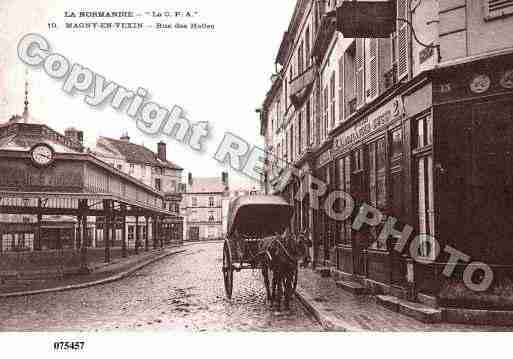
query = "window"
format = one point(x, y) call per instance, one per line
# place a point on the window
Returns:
point(131, 233)
point(173, 186)
point(308, 124)
point(332, 98)
point(211, 217)
point(120, 167)
point(158, 184)
point(425, 206)
point(358, 160)
point(307, 46)
point(300, 129)
point(291, 139)
point(326, 114)
point(377, 173)
point(397, 143)
point(300, 59)
point(424, 132)
point(194, 201)
point(132, 168)
point(211, 201)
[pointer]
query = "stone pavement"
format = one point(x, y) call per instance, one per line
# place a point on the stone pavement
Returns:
point(180, 292)
point(337, 309)
point(100, 271)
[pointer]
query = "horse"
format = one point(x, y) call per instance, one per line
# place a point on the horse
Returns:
point(281, 258)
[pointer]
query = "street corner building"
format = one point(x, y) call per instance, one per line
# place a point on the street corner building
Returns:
point(63, 206)
point(417, 123)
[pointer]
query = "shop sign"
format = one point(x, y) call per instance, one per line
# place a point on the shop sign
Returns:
point(376, 121)
point(480, 83)
point(507, 79)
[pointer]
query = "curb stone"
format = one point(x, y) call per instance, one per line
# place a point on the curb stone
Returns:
point(326, 319)
point(113, 278)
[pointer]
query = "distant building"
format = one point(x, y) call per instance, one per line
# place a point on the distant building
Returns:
point(153, 169)
point(203, 207)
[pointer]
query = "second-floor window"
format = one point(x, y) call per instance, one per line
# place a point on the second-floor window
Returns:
point(211, 201)
point(194, 201)
point(211, 217)
point(158, 184)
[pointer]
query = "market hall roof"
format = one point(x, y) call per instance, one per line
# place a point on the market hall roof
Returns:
point(134, 153)
point(20, 135)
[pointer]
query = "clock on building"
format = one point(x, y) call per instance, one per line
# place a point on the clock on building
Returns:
point(42, 154)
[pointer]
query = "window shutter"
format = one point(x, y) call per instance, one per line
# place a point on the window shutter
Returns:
point(360, 75)
point(497, 8)
point(402, 39)
point(372, 69)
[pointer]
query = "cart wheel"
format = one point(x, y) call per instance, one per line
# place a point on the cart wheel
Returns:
point(296, 275)
point(227, 271)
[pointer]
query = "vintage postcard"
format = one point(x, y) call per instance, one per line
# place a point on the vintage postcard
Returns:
point(172, 168)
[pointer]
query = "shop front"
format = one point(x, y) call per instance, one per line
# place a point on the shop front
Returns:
point(368, 164)
point(467, 162)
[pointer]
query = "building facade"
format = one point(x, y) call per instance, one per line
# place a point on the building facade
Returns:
point(152, 169)
point(203, 207)
point(416, 125)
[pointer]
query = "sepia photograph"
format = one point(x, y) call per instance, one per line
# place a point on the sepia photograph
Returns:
point(289, 177)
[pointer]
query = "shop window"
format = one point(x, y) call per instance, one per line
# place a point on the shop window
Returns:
point(397, 143)
point(358, 160)
point(425, 205)
point(377, 173)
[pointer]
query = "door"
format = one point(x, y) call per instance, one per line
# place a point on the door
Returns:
point(359, 191)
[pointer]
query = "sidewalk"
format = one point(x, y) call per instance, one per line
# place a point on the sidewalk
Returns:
point(340, 310)
point(101, 273)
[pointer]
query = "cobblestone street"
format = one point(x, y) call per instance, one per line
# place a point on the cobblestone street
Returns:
point(182, 292)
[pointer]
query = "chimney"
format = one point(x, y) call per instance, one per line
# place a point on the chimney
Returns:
point(190, 179)
point(125, 137)
point(75, 135)
point(224, 177)
point(162, 151)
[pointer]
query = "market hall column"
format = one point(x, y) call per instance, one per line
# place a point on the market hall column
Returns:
point(147, 234)
point(83, 230)
point(123, 231)
point(107, 209)
point(137, 234)
point(154, 231)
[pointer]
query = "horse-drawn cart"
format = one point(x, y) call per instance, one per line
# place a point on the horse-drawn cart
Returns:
point(255, 226)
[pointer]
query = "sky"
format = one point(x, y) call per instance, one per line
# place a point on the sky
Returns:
point(220, 76)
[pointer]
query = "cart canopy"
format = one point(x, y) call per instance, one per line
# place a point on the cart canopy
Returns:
point(258, 216)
